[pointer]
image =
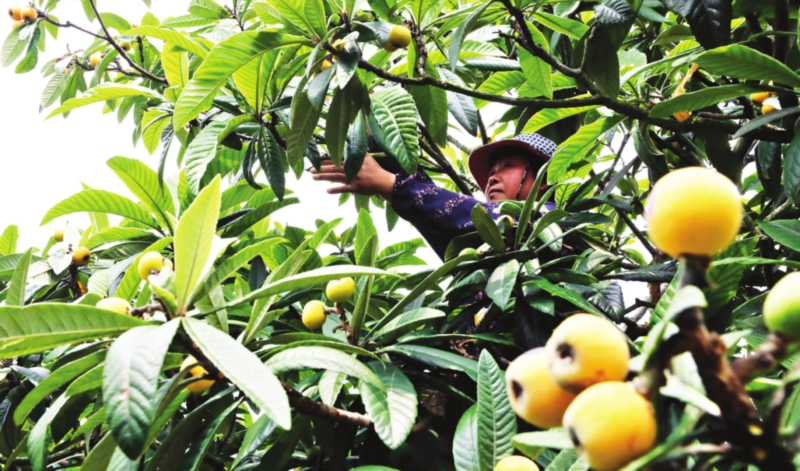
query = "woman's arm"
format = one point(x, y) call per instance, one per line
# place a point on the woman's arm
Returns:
point(438, 214)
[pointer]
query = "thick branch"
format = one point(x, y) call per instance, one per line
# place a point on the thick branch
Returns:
point(304, 404)
point(765, 358)
point(781, 43)
point(431, 149)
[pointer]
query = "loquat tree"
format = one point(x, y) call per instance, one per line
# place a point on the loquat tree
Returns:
point(197, 333)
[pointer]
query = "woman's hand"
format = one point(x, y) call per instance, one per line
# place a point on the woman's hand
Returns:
point(371, 180)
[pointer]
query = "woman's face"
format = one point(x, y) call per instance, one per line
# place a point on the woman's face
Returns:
point(505, 176)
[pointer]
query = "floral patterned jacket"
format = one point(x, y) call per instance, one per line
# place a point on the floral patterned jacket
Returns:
point(438, 214)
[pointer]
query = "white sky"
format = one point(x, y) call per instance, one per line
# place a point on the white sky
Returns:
point(43, 162)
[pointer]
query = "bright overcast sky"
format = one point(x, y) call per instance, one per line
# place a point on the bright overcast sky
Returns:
point(43, 162)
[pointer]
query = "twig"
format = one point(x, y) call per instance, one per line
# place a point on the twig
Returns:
point(349, 333)
point(639, 235)
point(783, 207)
point(140, 311)
point(302, 403)
point(121, 51)
point(637, 304)
point(68, 24)
point(57, 456)
point(431, 149)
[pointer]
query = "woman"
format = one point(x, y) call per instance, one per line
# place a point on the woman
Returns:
point(504, 170)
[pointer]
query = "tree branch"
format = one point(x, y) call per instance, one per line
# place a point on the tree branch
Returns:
point(304, 404)
point(108, 38)
point(68, 24)
point(432, 149)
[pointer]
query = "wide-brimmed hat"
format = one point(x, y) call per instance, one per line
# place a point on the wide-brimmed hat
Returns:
point(539, 147)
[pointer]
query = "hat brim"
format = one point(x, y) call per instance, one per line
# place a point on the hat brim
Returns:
point(480, 157)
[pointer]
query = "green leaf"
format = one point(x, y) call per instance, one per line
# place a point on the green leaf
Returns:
point(8, 240)
point(253, 78)
point(602, 62)
point(710, 20)
point(304, 120)
point(176, 65)
point(431, 104)
point(406, 322)
point(395, 112)
point(685, 298)
point(53, 382)
point(227, 268)
point(40, 436)
point(222, 61)
point(142, 181)
point(256, 215)
point(40, 327)
point(365, 230)
point(530, 443)
point(104, 92)
point(16, 289)
point(487, 228)
point(254, 437)
point(549, 218)
point(394, 409)
point(502, 281)
point(537, 72)
point(330, 384)
point(208, 9)
point(576, 147)
point(200, 152)
point(243, 368)
point(571, 28)
point(100, 201)
point(323, 358)
point(759, 121)
point(99, 457)
point(746, 63)
point(193, 240)
point(464, 28)
point(699, 99)
point(55, 87)
point(437, 358)
point(549, 116)
point(340, 115)
point(791, 170)
point(568, 295)
point(15, 43)
point(785, 232)
point(497, 422)
point(31, 57)
point(465, 442)
point(130, 383)
point(170, 36)
point(307, 279)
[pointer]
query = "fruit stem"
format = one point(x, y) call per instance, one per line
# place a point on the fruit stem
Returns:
point(694, 271)
point(346, 327)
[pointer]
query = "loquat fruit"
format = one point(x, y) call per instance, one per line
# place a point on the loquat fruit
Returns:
point(389, 47)
point(81, 256)
point(58, 235)
point(759, 97)
point(766, 109)
point(585, 350)
point(15, 13)
point(339, 44)
point(28, 15)
point(17, 24)
point(693, 211)
point(533, 394)
point(198, 386)
point(515, 463)
point(314, 315)
point(149, 263)
point(610, 425)
point(782, 306)
point(682, 115)
point(399, 37)
point(168, 264)
point(125, 45)
point(341, 290)
point(118, 305)
point(95, 59)
point(326, 64)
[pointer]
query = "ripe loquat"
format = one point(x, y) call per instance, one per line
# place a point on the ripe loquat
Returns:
point(340, 290)
point(766, 109)
point(533, 394)
point(15, 13)
point(610, 425)
point(58, 235)
point(118, 305)
point(81, 256)
point(28, 15)
point(197, 386)
point(389, 47)
point(399, 37)
point(585, 350)
point(168, 264)
point(326, 64)
point(17, 24)
point(759, 97)
point(693, 211)
point(149, 263)
point(95, 59)
point(515, 463)
point(314, 315)
point(682, 115)
point(782, 306)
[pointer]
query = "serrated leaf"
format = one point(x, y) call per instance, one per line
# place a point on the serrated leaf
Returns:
point(40, 327)
point(142, 181)
point(222, 61)
point(487, 228)
point(105, 92)
point(16, 289)
point(497, 422)
point(574, 148)
point(699, 99)
point(438, 358)
point(170, 36)
point(742, 62)
point(243, 368)
point(710, 20)
point(502, 281)
point(461, 32)
point(549, 116)
point(393, 410)
point(100, 201)
point(130, 383)
point(395, 112)
point(465, 442)
point(323, 358)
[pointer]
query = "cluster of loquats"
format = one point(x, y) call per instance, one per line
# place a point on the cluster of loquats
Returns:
point(768, 101)
point(21, 16)
point(399, 38)
point(576, 381)
point(80, 256)
point(338, 291)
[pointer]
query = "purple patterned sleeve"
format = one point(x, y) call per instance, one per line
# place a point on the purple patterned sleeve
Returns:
point(438, 214)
